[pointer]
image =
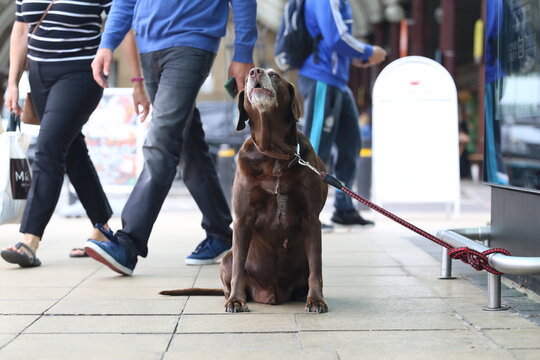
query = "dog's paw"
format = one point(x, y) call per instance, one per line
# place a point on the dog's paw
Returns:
point(234, 305)
point(316, 305)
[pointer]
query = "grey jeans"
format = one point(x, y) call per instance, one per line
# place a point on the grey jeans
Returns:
point(173, 78)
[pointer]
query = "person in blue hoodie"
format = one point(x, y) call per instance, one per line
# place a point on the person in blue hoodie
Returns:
point(178, 41)
point(331, 116)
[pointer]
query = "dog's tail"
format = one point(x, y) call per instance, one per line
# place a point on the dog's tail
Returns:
point(193, 291)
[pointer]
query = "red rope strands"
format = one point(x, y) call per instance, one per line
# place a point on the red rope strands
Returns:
point(478, 260)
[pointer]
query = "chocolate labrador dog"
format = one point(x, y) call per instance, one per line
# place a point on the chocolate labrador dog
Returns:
point(276, 250)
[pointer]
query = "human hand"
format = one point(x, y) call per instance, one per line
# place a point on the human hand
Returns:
point(11, 102)
point(141, 103)
point(101, 66)
point(239, 71)
point(378, 56)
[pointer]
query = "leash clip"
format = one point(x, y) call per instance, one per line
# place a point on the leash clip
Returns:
point(294, 160)
point(306, 164)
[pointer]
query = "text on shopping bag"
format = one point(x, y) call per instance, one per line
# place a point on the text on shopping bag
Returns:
point(20, 178)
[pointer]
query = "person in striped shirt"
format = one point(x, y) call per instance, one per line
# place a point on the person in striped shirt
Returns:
point(59, 46)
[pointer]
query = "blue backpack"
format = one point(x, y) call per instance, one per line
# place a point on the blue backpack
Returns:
point(293, 42)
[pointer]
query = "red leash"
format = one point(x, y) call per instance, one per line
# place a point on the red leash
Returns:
point(477, 260)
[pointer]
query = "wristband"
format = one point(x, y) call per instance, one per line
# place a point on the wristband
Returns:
point(137, 79)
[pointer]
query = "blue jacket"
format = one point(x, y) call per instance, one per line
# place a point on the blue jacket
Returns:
point(197, 23)
point(333, 20)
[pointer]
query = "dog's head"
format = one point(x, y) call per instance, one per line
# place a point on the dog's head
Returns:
point(269, 103)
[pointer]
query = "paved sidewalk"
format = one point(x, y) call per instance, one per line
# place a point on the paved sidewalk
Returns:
point(381, 286)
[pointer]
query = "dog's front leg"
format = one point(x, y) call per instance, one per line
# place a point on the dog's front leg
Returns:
point(242, 231)
point(312, 241)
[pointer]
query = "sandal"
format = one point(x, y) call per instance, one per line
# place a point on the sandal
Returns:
point(26, 259)
point(78, 253)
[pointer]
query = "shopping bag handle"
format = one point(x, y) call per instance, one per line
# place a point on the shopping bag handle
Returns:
point(14, 122)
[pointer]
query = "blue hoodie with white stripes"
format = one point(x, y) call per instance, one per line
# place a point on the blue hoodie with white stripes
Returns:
point(332, 19)
point(201, 24)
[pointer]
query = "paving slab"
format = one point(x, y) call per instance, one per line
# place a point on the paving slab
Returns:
point(381, 285)
point(117, 293)
point(237, 323)
point(518, 338)
point(434, 344)
point(33, 293)
point(382, 291)
point(86, 346)
point(216, 305)
point(169, 306)
point(488, 320)
point(254, 354)
point(529, 354)
point(371, 353)
point(372, 322)
point(6, 338)
point(15, 324)
point(235, 342)
point(144, 324)
point(25, 307)
point(357, 304)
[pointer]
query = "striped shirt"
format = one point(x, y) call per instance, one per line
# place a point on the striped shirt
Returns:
point(71, 30)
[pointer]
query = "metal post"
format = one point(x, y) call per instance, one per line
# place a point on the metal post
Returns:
point(418, 33)
point(447, 41)
point(446, 265)
point(494, 293)
point(226, 168)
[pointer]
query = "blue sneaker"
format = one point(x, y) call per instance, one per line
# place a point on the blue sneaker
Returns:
point(111, 253)
point(209, 251)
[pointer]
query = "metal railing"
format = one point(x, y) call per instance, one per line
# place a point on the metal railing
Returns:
point(514, 265)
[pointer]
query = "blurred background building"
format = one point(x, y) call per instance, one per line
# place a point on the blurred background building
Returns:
point(430, 28)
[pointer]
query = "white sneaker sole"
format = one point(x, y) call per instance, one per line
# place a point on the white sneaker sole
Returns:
point(97, 253)
point(205, 261)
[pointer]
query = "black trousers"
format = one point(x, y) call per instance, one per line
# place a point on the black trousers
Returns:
point(65, 95)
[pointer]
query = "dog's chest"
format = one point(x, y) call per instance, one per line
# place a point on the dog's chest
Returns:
point(276, 204)
point(271, 181)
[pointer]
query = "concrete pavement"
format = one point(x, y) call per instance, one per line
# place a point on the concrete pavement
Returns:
point(381, 286)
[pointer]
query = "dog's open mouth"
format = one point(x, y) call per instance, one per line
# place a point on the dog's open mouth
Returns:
point(258, 89)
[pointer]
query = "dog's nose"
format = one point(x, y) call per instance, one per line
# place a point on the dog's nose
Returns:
point(255, 72)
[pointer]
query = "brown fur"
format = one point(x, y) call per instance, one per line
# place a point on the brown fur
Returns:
point(276, 251)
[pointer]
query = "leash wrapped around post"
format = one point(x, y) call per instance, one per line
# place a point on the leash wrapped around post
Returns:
point(478, 260)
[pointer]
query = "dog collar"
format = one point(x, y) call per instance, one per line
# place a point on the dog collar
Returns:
point(296, 157)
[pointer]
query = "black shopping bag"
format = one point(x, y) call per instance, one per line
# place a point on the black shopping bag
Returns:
point(20, 178)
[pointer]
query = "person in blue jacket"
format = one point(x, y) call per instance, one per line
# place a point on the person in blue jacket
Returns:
point(331, 116)
point(177, 42)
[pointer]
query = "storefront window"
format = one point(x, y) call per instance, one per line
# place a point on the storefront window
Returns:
point(512, 96)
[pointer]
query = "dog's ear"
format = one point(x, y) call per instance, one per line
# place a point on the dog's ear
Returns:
point(242, 114)
point(295, 105)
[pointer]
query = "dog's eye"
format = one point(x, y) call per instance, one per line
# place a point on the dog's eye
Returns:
point(274, 75)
